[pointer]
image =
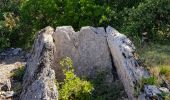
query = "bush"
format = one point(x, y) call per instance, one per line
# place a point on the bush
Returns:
point(149, 16)
point(73, 88)
point(18, 73)
point(9, 19)
point(150, 81)
point(165, 70)
point(25, 17)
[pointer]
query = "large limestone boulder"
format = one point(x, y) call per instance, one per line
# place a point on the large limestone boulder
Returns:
point(39, 79)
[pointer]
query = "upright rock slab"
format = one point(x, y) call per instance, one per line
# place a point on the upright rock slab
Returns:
point(87, 48)
point(128, 69)
point(39, 78)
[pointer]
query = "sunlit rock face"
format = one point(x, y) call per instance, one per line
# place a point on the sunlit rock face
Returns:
point(87, 48)
point(39, 78)
point(128, 69)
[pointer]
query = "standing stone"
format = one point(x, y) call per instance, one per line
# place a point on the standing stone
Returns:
point(128, 69)
point(63, 39)
point(87, 48)
point(39, 78)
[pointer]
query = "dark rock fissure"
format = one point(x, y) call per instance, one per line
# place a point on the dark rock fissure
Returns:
point(113, 71)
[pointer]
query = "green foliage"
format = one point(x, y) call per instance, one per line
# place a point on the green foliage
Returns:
point(149, 16)
point(38, 13)
point(73, 88)
point(23, 18)
point(18, 73)
point(35, 15)
point(83, 13)
point(156, 57)
point(166, 96)
point(157, 54)
point(165, 70)
point(9, 23)
point(151, 81)
point(18, 87)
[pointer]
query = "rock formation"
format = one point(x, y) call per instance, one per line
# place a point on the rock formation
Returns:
point(87, 48)
point(128, 69)
point(39, 78)
point(93, 51)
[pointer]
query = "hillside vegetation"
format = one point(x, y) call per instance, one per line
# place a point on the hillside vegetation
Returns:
point(20, 19)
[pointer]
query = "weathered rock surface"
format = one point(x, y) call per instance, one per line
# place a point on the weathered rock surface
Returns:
point(39, 79)
point(128, 69)
point(87, 48)
point(152, 91)
point(9, 94)
point(6, 86)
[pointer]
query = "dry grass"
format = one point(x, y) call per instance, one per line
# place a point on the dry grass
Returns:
point(157, 59)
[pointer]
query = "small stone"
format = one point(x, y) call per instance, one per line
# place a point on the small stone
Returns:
point(9, 94)
point(6, 86)
point(16, 51)
point(151, 90)
point(2, 92)
point(163, 89)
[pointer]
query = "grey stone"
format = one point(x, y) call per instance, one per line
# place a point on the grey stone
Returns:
point(16, 51)
point(164, 89)
point(39, 78)
point(6, 86)
point(128, 69)
point(87, 48)
point(152, 91)
point(9, 94)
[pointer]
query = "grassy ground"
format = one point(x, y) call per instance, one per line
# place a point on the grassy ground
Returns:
point(156, 57)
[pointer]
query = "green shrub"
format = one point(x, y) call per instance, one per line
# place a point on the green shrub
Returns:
point(132, 17)
point(165, 70)
point(150, 81)
point(18, 73)
point(166, 96)
point(9, 22)
point(73, 88)
point(149, 16)
point(18, 87)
